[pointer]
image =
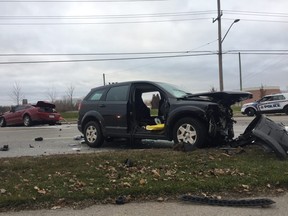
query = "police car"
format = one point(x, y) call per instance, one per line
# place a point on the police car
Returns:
point(276, 103)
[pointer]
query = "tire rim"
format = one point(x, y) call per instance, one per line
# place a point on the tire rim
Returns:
point(91, 134)
point(250, 112)
point(186, 133)
point(26, 121)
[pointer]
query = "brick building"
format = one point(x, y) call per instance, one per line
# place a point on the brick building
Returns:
point(261, 92)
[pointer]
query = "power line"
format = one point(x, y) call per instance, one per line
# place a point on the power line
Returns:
point(112, 16)
point(254, 52)
point(259, 20)
point(185, 17)
point(93, 54)
point(124, 18)
point(110, 59)
point(262, 50)
point(253, 16)
point(258, 53)
point(124, 58)
point(105, 23)
point(266, 66)
point(78, 1)
point(151, 63)
point(256, 13)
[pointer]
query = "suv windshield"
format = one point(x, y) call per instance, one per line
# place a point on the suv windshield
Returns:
point(174, 90)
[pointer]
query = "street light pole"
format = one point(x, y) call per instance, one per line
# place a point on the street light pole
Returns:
point(220, 41)
point(235, 21)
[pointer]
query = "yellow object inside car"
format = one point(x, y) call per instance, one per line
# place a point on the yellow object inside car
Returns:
point(155, 127)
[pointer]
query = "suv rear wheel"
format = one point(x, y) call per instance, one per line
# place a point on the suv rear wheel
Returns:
point(190, 131)
point(93, 135)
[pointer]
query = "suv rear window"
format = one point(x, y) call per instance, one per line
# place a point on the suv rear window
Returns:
point(278, 97)
point(95, 96)
point(118, 93)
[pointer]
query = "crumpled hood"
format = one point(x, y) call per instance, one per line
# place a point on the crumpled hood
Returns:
point(228, 98)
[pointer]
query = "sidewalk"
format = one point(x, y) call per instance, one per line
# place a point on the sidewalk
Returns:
point(164, 209)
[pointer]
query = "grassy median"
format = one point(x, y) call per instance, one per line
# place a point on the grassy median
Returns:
point(144, 174)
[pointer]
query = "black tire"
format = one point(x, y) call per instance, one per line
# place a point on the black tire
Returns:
point(93, 135)
point(2, 122)
point(286, 110)
point(250, 111)
point(190, 131)
point(27, 121)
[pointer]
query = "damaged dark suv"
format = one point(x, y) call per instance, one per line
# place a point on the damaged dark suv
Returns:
point(120, 111)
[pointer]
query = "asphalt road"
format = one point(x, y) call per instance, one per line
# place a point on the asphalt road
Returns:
point(60, 139)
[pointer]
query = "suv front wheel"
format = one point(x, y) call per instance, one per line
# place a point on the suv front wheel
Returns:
point(93, 135)
point(190, 131)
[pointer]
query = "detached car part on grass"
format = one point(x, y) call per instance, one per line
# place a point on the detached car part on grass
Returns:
point(263, 131)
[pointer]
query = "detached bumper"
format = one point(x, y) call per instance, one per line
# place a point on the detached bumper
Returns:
point(265, 132)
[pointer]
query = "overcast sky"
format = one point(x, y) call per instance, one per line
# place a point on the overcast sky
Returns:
point(144, 27)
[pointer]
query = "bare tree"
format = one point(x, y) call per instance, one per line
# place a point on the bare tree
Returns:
point(16, 94)
point(51, 93)
point(262, 91)
point(70, 93)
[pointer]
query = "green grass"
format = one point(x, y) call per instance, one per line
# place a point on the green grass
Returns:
point(70, 115)
point(30, 182)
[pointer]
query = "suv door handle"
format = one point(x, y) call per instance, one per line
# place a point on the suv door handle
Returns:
point(102, 105)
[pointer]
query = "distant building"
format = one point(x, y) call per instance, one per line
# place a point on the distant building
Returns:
point(24, 101)
point(260, 92)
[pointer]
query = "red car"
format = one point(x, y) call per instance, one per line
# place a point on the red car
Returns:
point(41, 113)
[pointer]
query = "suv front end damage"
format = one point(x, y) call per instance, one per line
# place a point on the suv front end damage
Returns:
point(220, 114)
point(263, 131)
point(220, 124)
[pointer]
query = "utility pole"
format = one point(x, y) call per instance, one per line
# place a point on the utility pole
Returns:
point(221, 85)
point(240, 71)
point(220, 41)
point(104, 79)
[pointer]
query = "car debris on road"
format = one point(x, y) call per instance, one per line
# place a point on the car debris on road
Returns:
point(4, 148)
point(265, 132)
point(264, 202)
